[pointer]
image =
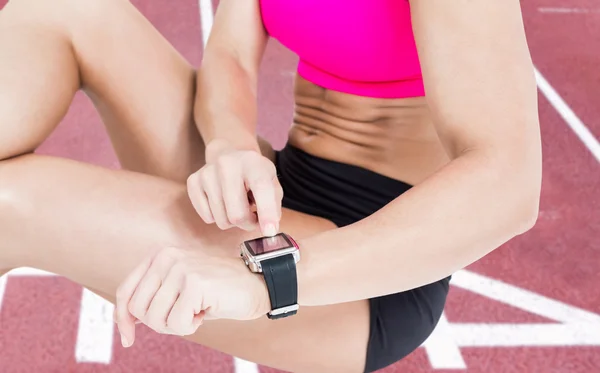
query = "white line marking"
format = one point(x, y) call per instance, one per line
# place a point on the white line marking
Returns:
point(442, 349)
point(523, 299)
point(3, 281)
point(206, 19)
point(533, 335)
point(584, 134)
point(567, 10)
point(578, 328)
point(95, 332)
point(243, 366)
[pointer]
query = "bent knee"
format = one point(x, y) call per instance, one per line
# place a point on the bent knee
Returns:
point(12, 204)
point(400, 323)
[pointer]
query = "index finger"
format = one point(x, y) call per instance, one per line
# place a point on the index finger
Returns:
point(268, 206)
point(125, 320)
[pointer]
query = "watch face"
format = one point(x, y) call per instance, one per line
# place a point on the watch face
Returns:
point(265, 245)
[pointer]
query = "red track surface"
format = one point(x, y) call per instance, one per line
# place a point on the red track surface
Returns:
point(558, 259)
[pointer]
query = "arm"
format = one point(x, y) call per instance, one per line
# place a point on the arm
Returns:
point(237, 165)
point(481, 90)
point(226, 105)
point(482, 93)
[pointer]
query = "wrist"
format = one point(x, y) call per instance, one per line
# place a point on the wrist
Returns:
point(276, 259)
point(303, 274)
point(264, 301)
point(217, 147)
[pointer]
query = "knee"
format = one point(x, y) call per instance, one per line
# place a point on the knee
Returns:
point(12, 201)
point(8, 196)
point(9, 205)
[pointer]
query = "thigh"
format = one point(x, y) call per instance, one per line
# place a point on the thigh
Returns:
point(141, 86)
point(110, 220)
point(38, 78)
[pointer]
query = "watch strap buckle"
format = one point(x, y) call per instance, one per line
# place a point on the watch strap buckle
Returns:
point(283, 311)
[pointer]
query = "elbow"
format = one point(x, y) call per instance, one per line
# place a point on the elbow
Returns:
point(528, 215)
point(517, 197)
point(520, 167)
point(525, 209)
point(530, 192)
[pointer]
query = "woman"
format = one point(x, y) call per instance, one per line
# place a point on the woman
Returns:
point(376, 252)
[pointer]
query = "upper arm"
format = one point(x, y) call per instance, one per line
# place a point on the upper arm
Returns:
point(478, 75)
point(238, 32)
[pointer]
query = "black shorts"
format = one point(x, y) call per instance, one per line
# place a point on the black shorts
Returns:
point(344, 194)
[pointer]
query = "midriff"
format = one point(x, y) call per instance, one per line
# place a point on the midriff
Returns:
point(393, 137)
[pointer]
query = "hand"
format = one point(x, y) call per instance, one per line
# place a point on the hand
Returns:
point(232, 180)
point(173, 291)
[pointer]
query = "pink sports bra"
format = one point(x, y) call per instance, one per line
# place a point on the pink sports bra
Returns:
point(362, 47)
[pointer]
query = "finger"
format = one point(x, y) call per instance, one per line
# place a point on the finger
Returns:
point(142, 297)
point(278, 192)
point(199, 199)
point(235, 196)
point(186, 315)
point(212, 188)
point(115, 318)
point(126, 321)
point(198, 320)
point(149, 286)
point(268, 205)
point(163, 302)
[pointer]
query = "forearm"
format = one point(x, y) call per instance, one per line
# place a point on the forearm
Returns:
point(225, 109)
point(458, 215)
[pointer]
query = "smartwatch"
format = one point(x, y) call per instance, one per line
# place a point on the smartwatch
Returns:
point(275, 257)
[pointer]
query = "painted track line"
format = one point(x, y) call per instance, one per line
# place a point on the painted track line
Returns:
point(567, 10)
point(243, 366)
point(206, 20)
point(523, 299)
point(95, 333)
point(518, 335)
point(569, 116)
point(442, 349)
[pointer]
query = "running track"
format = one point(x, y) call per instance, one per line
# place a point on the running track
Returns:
point(531, 306)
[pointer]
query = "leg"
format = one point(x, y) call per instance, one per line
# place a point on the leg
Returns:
point(143, 93)
point(82, 217)
point(142, 88)
point(73, 219)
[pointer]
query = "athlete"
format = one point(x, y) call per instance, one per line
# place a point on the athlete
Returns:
point(414, 151)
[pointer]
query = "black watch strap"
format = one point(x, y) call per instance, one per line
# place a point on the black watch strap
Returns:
point(282, 283)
